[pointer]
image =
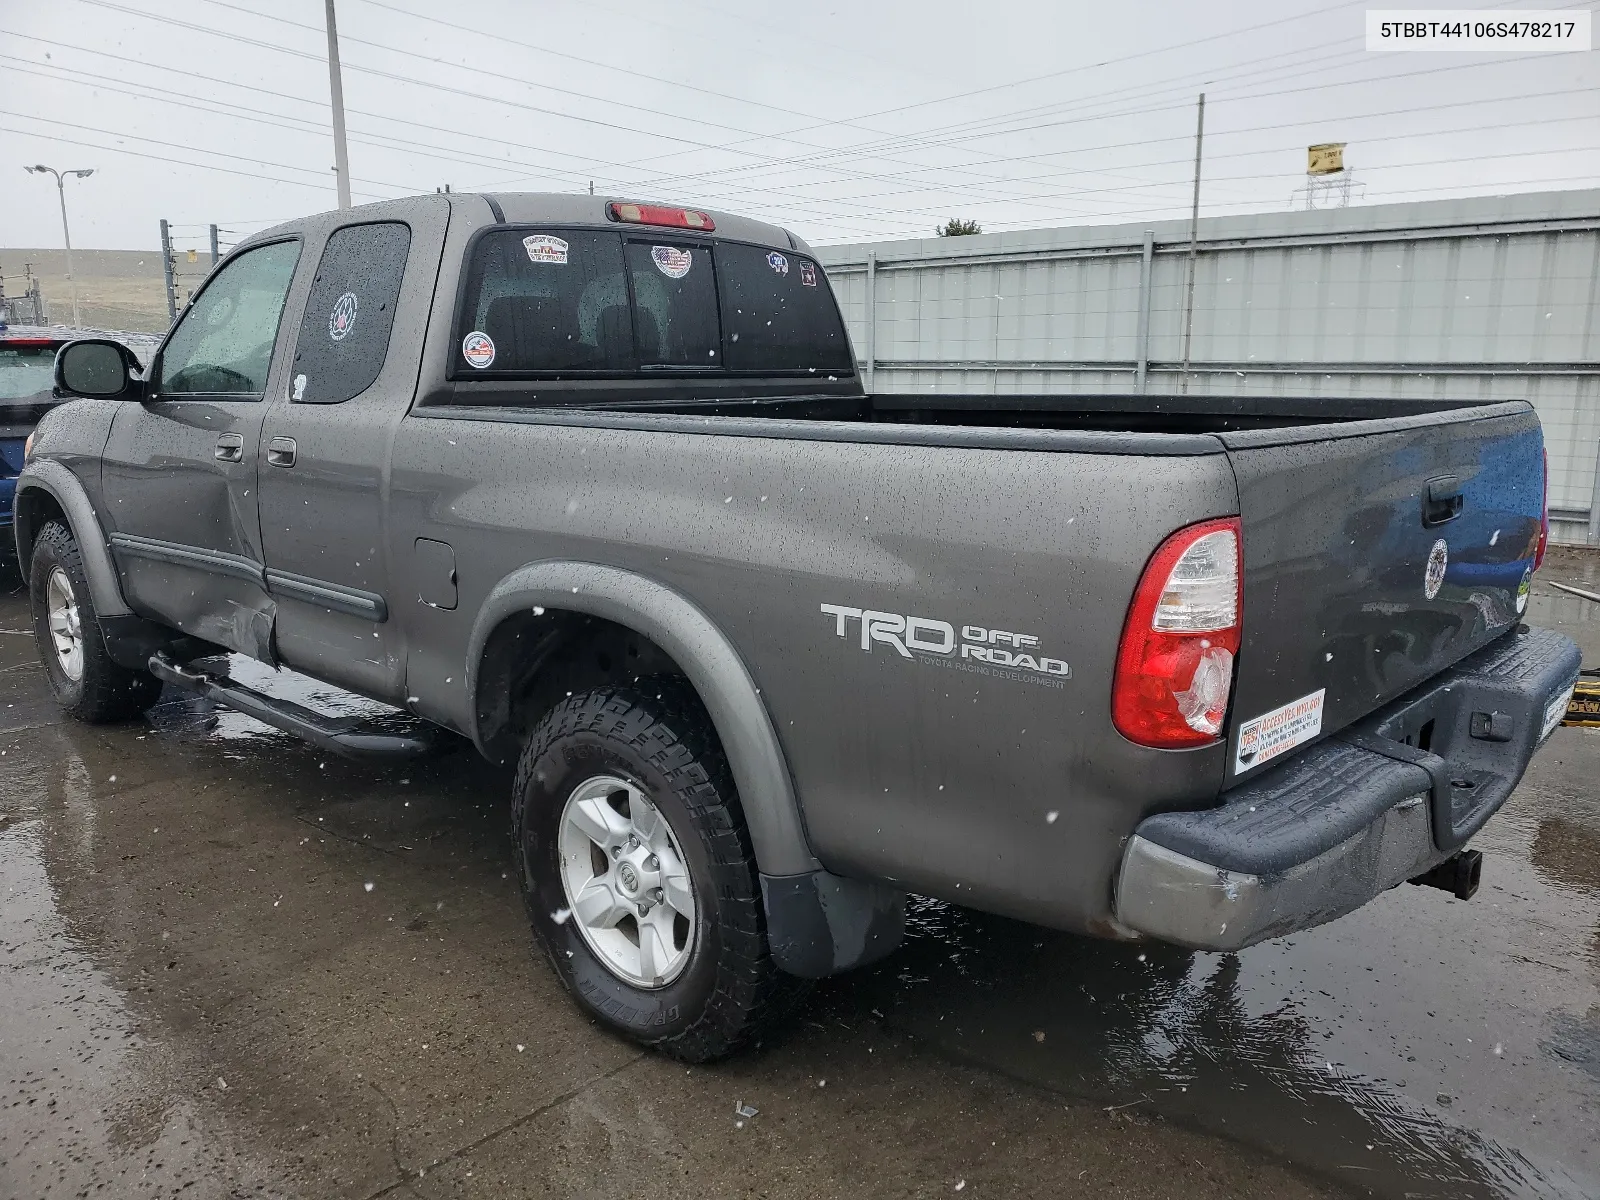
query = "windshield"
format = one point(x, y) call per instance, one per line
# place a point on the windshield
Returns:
point(26, 371)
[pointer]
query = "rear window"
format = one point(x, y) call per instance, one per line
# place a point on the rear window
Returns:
point(595, 302)
point(675, 304)
point(778, 313)
point(25, 371)
point(546, 301)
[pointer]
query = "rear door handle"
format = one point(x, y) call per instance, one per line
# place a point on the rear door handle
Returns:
point(230, 448)
point(280, 452)
point(1441, 500)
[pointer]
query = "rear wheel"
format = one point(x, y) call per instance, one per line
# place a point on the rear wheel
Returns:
point(638, 874)
point(66, 629)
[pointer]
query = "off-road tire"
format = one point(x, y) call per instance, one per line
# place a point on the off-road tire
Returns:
point(106, 692)
point(656, 734)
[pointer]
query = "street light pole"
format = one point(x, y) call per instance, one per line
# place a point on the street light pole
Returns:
point(341, 156)
point(66, 232)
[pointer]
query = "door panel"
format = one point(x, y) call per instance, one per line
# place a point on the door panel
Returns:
point(353, 375)
point(180, 469)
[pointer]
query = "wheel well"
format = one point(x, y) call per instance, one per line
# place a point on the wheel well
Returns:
point(34, 509)
point(536, 658)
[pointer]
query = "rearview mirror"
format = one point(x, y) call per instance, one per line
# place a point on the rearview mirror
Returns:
point(97, 368)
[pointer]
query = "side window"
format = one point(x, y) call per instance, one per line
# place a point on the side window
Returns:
point(779, 313)
point(223, 344)
point(675, 305)
point(545, 301)
point(344, 337)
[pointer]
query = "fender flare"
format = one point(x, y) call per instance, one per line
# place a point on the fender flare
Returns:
point(713, 666)
point(61, 485)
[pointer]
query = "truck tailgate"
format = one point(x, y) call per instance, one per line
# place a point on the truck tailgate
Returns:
point(1359, 583)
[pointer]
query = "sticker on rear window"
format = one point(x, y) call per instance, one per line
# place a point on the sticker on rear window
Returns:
point(1264, 738)
point(478, 349)
point(543, 248)
point(671, 261)
point(778, 263)
point(808, 274)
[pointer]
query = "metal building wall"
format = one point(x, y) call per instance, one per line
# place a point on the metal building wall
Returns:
point(1484, 298)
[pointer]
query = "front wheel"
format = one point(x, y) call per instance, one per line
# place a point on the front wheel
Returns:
point(638, 873)
point(85, 681)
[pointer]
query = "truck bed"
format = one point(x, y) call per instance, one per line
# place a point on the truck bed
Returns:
point(1107, 412)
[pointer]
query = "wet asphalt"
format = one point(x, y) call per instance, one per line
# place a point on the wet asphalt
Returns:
point(233, 966)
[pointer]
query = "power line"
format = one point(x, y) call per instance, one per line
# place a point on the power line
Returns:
point(768, 159)
point(457, 156)
point(808, 200)
point(181, 146)
point(454, 156)
point(927, 140)
point(34, 133)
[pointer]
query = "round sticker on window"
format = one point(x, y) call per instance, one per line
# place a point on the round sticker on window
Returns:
point(671, 261)
point(343, 317)
point(1433, 576)
point(220, 311)
point(477, 349)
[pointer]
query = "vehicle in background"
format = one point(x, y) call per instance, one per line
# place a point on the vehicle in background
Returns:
point(27, 373)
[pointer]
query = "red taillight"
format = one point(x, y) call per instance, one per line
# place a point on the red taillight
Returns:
point(27, 341)
point(1544, 517)
point(1175, 663)
point(657, 214)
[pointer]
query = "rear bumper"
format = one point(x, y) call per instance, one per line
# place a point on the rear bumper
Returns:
point(1356, 814)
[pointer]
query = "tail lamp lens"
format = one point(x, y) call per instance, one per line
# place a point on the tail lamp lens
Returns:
point(1175, 662)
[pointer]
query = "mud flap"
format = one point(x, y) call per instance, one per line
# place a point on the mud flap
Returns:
point(820, 924)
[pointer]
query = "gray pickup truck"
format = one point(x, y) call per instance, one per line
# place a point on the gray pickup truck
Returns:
point(595, 485)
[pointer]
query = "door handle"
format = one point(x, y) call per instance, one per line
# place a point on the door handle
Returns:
point(280, 452)
point(1441, 500)
point(230, 448)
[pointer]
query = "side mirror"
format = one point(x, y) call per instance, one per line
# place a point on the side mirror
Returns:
point(95, 367)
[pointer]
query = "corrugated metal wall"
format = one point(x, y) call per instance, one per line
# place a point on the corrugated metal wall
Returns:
point(1487, 298)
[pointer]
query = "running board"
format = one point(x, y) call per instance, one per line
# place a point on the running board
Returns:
point(338, 735)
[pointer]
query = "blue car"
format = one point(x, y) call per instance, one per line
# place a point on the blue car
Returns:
point(27, 368)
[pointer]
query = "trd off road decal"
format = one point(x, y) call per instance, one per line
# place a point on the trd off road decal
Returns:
point(979, 648)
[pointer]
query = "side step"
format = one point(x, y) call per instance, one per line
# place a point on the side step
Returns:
point(338, 735)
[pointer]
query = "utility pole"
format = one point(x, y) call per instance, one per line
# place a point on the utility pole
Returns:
point(1194, 234)
point(66, 233)
point(166, 268)
point(213, 245)
point(341, 155)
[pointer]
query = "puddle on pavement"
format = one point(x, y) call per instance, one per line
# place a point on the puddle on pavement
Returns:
point(91, 1106)
point(1222, 1043)
point(1344, 1051)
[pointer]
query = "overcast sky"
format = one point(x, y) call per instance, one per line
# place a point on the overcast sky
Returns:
point(842, 119)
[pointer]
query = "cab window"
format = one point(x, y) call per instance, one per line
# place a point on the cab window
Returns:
point(223, 343)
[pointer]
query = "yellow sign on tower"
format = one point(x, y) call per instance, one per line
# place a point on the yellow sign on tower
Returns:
point(1326, 159)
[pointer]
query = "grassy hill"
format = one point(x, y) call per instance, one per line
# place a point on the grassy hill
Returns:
point(117, 289)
